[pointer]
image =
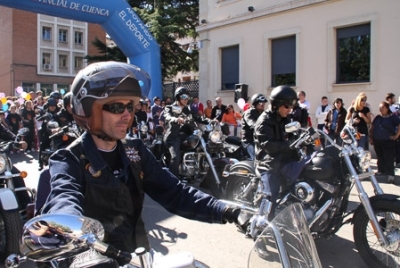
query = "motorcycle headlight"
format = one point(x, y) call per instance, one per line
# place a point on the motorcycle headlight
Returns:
point(3, 163)
point(144, 128)
point(215, 136)
point(364, 159)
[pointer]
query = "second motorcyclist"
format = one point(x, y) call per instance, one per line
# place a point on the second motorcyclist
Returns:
point(249, 119)
point(176, 130)
point(272, 143)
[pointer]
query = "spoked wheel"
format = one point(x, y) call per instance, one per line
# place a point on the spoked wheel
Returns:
point(10, 233)
point(370, 249)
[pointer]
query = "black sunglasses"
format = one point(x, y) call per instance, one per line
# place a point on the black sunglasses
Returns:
point(288, 106)
point(118, 108)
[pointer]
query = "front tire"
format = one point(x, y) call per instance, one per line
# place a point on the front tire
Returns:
point(235, 188)
point(10, 233)
point(373, 254)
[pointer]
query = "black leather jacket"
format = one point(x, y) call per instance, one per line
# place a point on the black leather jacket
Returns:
point(271, 141)
point(5, 133)
point(248, 122)
point(172, 128)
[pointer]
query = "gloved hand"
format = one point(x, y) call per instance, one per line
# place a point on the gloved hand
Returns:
point(232, 214)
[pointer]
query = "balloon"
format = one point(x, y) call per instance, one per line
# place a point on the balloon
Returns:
point(241, 102)
point(28, 96)
point(19, 90)
point(62, 91)
point(21, 101)
point(2, 95)
point(246, 106)
point(23, 94)
point(5, 107)
point(4, 100)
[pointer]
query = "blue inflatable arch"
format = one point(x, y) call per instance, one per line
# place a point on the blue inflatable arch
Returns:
point(118, 19)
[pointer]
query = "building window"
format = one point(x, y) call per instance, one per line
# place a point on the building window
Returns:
point(46, 58)
point(46, 89)
point(62, 35)
point(353, 54)
point(229, 67)
point(78, 38)
point(78, 62)
point(283, 61)
point(46, 33)
point(29, 86)
point(62, 88)
point(62, 61)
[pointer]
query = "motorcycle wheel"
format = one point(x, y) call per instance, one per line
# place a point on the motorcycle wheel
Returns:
point(235, 188)
point(371, 251)
point(10, 232)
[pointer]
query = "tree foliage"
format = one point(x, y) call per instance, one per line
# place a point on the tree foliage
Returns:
point(354, 59)
point(168, 21)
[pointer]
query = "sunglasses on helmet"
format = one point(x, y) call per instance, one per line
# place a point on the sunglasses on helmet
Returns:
point(118, 108)
point(184, 97)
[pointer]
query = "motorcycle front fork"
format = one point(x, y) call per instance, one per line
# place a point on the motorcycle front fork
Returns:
point(364, 198)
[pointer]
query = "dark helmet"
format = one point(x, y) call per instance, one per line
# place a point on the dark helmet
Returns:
point(282, 95)
point(102, 82)
point(55, 95)
point(180, 91)
point(51, 102)
point(67, 99)
point(258, 98)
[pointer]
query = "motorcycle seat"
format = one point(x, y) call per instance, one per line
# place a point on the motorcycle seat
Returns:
point(233, 140)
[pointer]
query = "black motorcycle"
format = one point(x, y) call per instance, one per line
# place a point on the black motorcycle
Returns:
point(14, 197)
point(202, 154)
point(323, 188)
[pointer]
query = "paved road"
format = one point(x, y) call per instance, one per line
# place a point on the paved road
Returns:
point(222, 245)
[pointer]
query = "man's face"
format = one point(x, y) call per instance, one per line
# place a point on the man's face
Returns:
point(260, 106)
point(392, 100)
point(209, 103)
point(219, 102)
point(285, 110)
point(115, 125)
point(300, 96)
point(52, 108)
point(195, 100)
point(324, 102)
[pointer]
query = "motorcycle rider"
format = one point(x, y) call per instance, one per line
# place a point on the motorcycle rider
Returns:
point(104, 177)
point(272, 143)
point(249, 119)
point(176, 130)
point(8, 135)
point(44, 133)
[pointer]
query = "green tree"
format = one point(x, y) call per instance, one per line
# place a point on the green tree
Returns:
point(168, 21)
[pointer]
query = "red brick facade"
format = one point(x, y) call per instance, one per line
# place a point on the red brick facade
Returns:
point(19, 45)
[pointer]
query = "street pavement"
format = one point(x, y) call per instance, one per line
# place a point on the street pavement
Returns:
point(222, 246)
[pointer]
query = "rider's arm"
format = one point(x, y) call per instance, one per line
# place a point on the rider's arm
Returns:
point(169, 116)
point(67, 180)
point(167, 190)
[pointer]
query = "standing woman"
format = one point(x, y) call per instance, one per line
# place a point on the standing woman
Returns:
point(335, 120)
point(28, 120)
point(385, 129)
point(361, 118)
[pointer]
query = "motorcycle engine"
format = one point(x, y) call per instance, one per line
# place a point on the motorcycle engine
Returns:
point(303, 191)
point(189, 165)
